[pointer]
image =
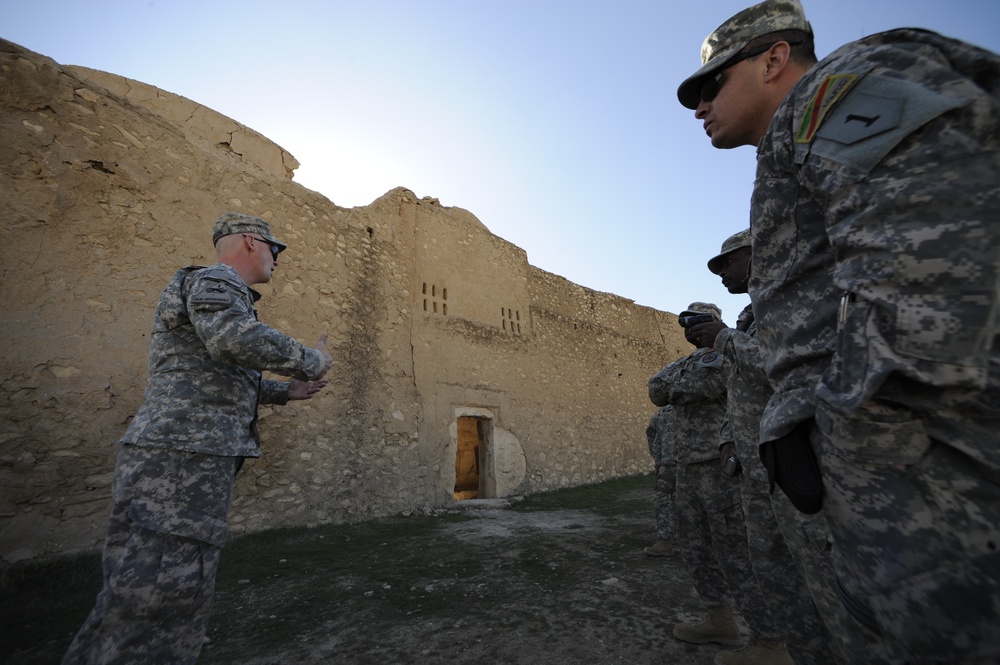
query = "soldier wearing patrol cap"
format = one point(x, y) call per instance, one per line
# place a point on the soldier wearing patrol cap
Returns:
point(731, 247)
point(231, 223)
point(788, 550)
point(178, 460)
point(710, 530)
point(876, 258)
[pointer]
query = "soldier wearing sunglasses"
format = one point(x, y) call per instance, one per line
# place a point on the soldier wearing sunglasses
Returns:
point(875, 233)
point(178, 460)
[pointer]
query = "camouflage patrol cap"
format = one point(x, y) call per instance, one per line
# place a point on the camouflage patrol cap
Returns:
point(732, 36)
point(703, 308)
point(235, 222)
point(730, 244)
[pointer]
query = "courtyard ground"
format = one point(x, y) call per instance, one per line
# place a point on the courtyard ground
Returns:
point(554, 578)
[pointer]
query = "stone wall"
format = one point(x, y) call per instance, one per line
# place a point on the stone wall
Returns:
point(110, 185)
point(200, 124)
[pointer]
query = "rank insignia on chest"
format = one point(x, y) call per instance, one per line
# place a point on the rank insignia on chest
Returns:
point(826, 96)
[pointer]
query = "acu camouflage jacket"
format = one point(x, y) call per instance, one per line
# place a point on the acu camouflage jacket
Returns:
point(207, 351)
point(875, 222)
point(696, 387)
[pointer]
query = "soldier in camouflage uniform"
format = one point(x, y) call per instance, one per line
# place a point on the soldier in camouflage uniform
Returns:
point(178, 460)
point(659, 436)
point(710, 527)
point(790, 552)
point(876, 258)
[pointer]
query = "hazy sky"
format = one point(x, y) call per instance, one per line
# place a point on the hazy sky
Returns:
point(555, 122)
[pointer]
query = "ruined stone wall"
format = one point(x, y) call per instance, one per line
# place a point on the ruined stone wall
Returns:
point(105, 192)
point(200, 124)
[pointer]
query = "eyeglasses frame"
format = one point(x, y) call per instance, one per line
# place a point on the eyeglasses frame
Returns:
point(275, 249)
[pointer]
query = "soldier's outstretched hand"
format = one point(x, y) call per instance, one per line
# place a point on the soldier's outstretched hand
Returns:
point(304, 389)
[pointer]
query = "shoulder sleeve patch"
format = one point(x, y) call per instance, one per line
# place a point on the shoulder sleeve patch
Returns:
point(875, 117)
point(711, 360)
point(211, 295)
point(829, 91)
point(863, 116)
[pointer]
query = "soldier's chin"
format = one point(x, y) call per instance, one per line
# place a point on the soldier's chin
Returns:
point(737, 289)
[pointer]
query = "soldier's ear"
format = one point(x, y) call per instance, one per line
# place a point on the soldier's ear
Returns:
point(776, 59)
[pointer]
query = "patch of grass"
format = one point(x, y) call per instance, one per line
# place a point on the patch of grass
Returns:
point(272, 584)
point(603, 498)
point(295, 550)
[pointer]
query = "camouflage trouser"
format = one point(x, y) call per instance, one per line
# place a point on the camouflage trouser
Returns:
point(809, 540)
point(663, 501)
point(711, 533)
point(794, 616)
point(917, 528)
point(165, 534)
point(811, 545)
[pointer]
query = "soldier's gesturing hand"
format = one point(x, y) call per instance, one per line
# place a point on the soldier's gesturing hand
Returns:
point(327, 359)
point(304, 389)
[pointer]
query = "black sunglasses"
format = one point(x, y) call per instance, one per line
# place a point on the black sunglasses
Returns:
point(275, 250)
point(712, 85)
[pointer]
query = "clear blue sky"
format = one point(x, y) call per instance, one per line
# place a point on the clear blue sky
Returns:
point(555, 122)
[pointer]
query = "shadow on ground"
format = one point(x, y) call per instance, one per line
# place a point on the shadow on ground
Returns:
point(555, 578)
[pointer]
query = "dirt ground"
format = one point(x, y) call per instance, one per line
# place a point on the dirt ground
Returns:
point(555, 578)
